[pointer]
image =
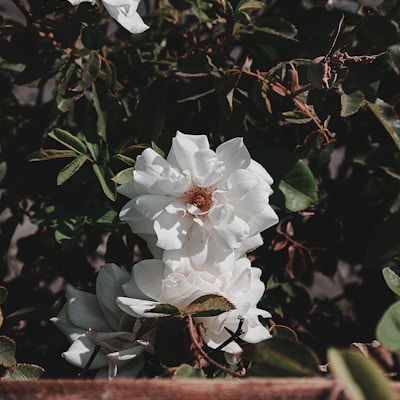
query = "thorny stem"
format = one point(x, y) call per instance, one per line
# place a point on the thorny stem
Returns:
point(193, 335)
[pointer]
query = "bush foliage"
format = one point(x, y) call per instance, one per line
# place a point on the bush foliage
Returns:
point(313, 92)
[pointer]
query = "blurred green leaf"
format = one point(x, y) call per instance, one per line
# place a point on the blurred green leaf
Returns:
point(281, 357)
point(23, 372)
point(185, 371)
point(101, 122)
point(284, 332)
point(65, 98)
point(388, 328)
point(208, 305)
point(360, 376)
point(296, 117)
point(351, 103)
point(68, 140)
point(7, 352)
point(70, 169)
point(394, 54)
point(3, 294)
point(67, 31)
point(277, 27)
point(105, 177)
point(392, 280)
point(67, 232)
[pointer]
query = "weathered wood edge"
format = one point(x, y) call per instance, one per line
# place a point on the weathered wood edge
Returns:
point(175, 389)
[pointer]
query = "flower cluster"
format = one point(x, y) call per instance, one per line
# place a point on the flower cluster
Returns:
point(200, 211)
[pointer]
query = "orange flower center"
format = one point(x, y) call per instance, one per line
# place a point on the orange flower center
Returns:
point(199, 197)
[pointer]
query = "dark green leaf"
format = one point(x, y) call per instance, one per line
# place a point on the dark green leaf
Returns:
point(296, 117)
point(105, 177)
point(209, 305)
point(90, 72)
point(23, 372)
point(351, 103)
point(65, 99)
point(109, 218)
point(281, 357)
point(70, 169)
point(93, 38)
point(394, 53)
point(277, 27)
point(246, 5)
point(7, 352)
point(388, 328)
point(312, 145)
point(101, 122)
point(392, 280)
point(299, 188)
point(166, 309)
point(68, 140)
point(67, 31)
point(360, 376)
point(388, 118)
point(157, 149)
point(125, 159)
point(383, 243)
point(67, 232)
point(284, 332)
point(123, 176)
point(50, 154)
point(225, 87)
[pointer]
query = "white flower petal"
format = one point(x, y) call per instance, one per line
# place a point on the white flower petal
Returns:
point(62, 322)
point(138, 308)
point(148, 275)
point(109, 287)
point(84, 311)
point(234, 154)
point(136, 221)
point(80, 352)
point(171, 230)
point(151, 205)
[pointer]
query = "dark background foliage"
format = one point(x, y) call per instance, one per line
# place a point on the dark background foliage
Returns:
point(81, 97)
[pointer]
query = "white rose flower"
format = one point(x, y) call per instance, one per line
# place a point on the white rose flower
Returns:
point(198, 206)
point(153, 283)
point(123, 11)
point(95, 319)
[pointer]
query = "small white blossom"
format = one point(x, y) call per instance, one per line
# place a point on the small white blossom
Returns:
point(95, 319)
point(123, 11)
point(153, 283)
point(199, 206)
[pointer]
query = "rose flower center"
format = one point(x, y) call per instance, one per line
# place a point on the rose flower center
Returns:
point(199, 197)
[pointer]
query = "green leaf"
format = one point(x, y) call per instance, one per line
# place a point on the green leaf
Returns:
point(245, 5)
point(299, 188)
point(105, 177)
point(296, 117)
point(351, 103)
point(70, 169)
point(109, 218)
point(101, 121)
point(276, 27)
point(312, 145)
point(23, 372)
point(124, 176)
point(281, 357)
point(7, 352)
point(65, 99)
point(125, 159)
point(209, 305)
point(157, 149)
point(187, 371)
point(284, 332)
point(166, 309)
point(68, 140)
point(3, 294)
point(67, 232)
point(225, 88)
point(360, 376)
point(388, 328)
point(394, 54)
point(93, 38)
point(388, 117)
point(67, 31)
point(90, 72)
point(392, 280)
point(50, 154)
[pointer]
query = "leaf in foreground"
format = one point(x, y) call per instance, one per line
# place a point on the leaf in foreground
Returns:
point(23, 372)
point(360, 376)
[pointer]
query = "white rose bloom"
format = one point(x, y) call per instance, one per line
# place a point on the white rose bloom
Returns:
point(153, 283)
point(199, 206)
point(95, 319)
point(123, 11)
